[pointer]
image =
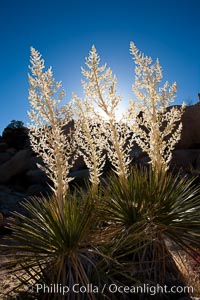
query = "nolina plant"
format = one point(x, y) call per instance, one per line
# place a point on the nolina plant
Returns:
point(68, 235)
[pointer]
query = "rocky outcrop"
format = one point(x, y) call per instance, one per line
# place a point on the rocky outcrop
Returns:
point(186, 155)
point(186, 159)
point(190, 136)
point(10, 201)
point(15, 166)
point(36, 176)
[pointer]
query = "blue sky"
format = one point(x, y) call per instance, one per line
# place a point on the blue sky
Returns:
point(64, 31)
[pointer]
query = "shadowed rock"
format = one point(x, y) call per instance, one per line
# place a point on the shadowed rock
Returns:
point(190, 136)
point(16, 165)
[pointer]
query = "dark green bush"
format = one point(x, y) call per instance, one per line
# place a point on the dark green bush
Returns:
point(15, 135)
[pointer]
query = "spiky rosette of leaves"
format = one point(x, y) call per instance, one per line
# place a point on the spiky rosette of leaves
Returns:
point(147, 213)
point(48, 249)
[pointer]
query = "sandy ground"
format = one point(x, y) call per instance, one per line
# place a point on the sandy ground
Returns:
point(9, 281)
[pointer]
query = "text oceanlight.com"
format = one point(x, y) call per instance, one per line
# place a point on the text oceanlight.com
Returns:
point(112, 288)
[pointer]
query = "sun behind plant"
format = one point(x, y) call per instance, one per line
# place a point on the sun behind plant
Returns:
point(119, 231)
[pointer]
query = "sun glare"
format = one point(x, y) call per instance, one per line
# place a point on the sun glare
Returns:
point(119, 113)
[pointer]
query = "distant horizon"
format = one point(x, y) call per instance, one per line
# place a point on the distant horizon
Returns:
point(64, 32)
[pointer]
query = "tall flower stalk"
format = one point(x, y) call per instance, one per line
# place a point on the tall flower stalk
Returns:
point(157, 127)
point(48, 119)
point(89, 139)
point(101, 96)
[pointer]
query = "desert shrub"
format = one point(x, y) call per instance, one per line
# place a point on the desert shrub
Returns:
point(145, 214)
point(58, 250)
point(15, 135)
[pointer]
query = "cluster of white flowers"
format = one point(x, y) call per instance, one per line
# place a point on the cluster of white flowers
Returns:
point(89, 139)
point(157, 127)
point(100, 93)
point(97, 132)
point(47, 123)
